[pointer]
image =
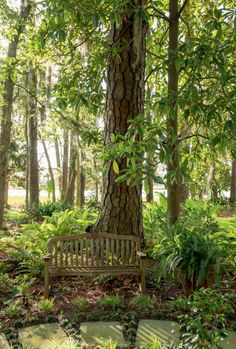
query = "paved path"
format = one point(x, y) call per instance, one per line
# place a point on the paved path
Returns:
point(52, 336)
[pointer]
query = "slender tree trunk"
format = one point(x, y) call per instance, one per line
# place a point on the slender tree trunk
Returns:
point(173, 166)
point(58, 160)
point(6, 109)
point(121, 207)
point(50, 171)
point(233, 183)
point(65, 164)
point(27, 164)
point(96, 180)
point(80, 200)
point(150, 196)
point(33, 143)
point(212, 183)
point(70, 194)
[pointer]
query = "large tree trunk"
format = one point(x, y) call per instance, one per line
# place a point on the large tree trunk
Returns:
point(65, 164)
point(6, 110)
point(233, 183)
point(121, 207)
point(33, 143)
point(173, 166)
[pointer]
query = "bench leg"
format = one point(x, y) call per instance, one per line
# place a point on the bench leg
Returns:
point(143, 282)
point(143, 276)
point(47, 281)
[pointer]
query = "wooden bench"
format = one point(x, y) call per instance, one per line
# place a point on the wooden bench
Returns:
point(93, 253)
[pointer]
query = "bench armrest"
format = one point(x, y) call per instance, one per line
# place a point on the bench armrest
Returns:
point(47, 257)
point(141, 254)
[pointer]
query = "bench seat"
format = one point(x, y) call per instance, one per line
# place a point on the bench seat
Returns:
point(94, 254)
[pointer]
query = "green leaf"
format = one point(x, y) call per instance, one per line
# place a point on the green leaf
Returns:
point(116, 167)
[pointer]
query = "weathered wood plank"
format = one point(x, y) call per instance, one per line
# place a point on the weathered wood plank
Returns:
point(82, 251)
point(76, 252)
point(92, 252)
point(112, 251)
point(61, 253)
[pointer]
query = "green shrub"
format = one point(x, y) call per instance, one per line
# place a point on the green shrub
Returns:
point(12, 310)
point(112, 302)
point(80, 303)
point(29, 246)
point(48, 208)
point(142, 301)
point(46, 305)
point(188, 253)
point(203, 324)
point(154, 218)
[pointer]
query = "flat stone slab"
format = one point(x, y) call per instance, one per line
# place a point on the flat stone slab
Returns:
point(103, 330)
point(44, 337)
point(3, 342)
point(164, 331)
point(230, 341)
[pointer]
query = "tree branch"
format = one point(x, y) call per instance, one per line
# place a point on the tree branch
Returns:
point(161, 14)
point(191, 136)
point(182, 8)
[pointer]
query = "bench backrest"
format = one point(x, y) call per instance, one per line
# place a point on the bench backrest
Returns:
point(92, 249)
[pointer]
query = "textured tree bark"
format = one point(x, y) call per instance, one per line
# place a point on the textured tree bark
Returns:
point(50, 171)
point(6, 192)
point(65, 164)
point(121, 207)
point(6, 109)
point(150, 196)
point(173, 166)
point(58, 160)
point(27, 164)
point(48, 79)
point(233, 183)
point(212, 182)
point(80, 199)
point(33, 142)
point(70, 194)
point(96, 180)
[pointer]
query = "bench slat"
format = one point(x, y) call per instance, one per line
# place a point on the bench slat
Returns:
point(82, 251)
point(61, 253)
point(92, 251)
point(112, 251)
point(97, 251)
point(76, 252)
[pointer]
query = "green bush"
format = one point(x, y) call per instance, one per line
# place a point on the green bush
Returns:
point(203, 324)
point(48, 208)
point(12, 310)
point(46, 305)
point(80, 303)
point(111, 302)
point(142, 301)
point(188, 252)
point(29, 246)
point(154, 219)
